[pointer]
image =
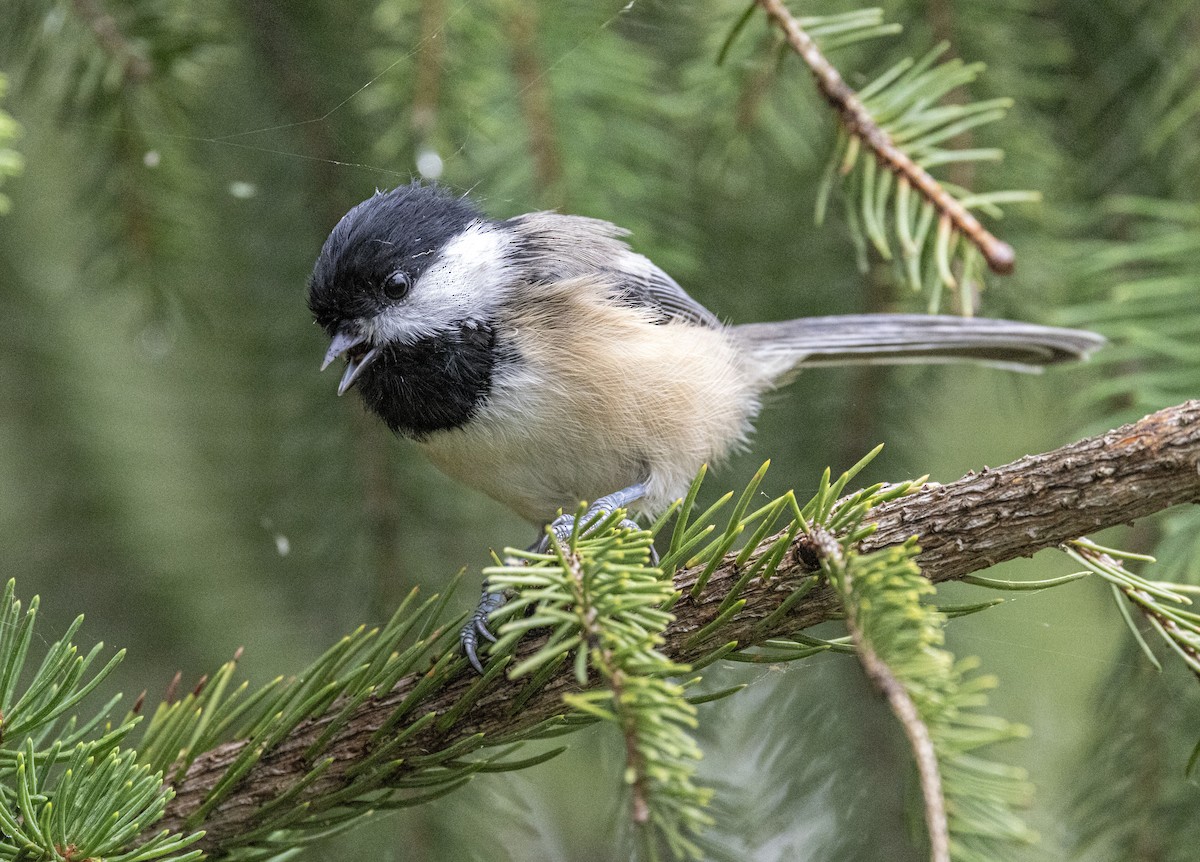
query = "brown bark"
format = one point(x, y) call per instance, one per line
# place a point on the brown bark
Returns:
point(984, 518)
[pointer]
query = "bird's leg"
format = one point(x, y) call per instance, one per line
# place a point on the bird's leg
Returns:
point(561, 528)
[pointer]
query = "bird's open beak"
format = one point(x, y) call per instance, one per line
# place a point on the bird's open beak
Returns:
point(350, 345)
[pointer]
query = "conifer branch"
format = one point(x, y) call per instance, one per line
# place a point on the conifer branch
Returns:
point(859, 123)
point(1041, 501)
point(984, 518)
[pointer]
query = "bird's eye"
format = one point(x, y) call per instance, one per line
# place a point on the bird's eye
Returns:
point(397, 285)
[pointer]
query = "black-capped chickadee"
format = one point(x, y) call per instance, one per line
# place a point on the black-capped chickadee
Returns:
point(542, 361)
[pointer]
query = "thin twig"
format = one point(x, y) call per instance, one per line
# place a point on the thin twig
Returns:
point(906, 713)
point(905, 710)
point(1182, 641)
point(640, 787)
point(859, 123)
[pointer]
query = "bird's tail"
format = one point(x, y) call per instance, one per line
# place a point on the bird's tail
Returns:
point(784, 347)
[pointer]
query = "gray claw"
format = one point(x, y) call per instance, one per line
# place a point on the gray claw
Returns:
point(564, 525)
point(476, 625)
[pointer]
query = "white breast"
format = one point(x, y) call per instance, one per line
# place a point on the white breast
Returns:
point(601, 399)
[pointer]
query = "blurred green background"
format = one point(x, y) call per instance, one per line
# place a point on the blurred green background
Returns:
point(172, 464)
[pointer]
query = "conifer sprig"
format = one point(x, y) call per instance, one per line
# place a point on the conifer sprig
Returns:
point(970, 803)
point(37, 709)
point(1143, 297)
point(606, 608)
point(123, 72)
point(892, 134)
point(1165, 606)
point(603, 600)
point(66, 791)
point(96, 807)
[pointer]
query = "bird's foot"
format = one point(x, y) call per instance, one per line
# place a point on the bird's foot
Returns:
point(561, 529)
point(596, 514)
point(476, 627)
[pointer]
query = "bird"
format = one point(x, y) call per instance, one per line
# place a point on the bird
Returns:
point(541, 360)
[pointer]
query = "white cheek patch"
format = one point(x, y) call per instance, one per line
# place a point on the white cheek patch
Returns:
point(468, 277)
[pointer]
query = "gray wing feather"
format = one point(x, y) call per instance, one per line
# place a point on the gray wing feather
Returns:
point(562, 247)
point(653, 289)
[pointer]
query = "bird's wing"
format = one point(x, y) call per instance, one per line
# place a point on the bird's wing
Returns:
point(566, 247)
point(641, 283)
